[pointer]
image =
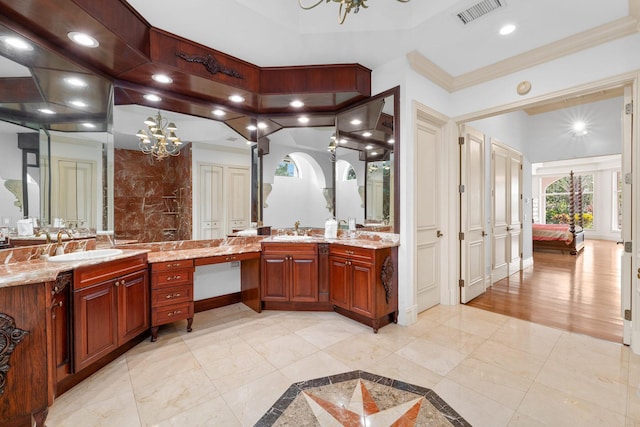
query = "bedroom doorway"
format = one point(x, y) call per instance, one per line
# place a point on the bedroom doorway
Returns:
point(509, 119)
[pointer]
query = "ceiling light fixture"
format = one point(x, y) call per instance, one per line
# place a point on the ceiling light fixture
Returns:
point(162, 78)
point(89, 125)
point(159, 139)
point(236, 98)
point(78, 103)
point(83, 39)
point(346, 6)
point(507, 29)
point(46, 111)
point(356, 122)
point(17, 43)
point(296, 103)
point(218, 112)
point(75, 82)
point(152, 97)
point(579, 128)
point(303, 119)
point(366, 134)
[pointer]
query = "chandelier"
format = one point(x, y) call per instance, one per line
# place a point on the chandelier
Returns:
point(159, 139)
point(346, 6)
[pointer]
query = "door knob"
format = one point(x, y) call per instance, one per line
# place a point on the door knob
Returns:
point(484, 234)
point(509, 228)
point(439, 234)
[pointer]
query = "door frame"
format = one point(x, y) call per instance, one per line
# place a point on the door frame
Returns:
point(631, 79)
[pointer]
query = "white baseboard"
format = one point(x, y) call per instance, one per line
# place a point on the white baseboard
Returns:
point(408, 316)
point(526, 263)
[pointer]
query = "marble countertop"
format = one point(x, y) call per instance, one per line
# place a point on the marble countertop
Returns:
point(38, 271)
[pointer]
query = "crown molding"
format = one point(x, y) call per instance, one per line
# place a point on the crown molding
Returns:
point(601, 95)
point(602, 34)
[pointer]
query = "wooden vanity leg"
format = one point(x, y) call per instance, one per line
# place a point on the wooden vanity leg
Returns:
point(189, 323)
point(154, 333)
point(40, 417)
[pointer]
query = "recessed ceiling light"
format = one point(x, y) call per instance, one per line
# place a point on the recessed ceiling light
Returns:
point(262, 125)
point(17, 43)
point(391, 141)
point(249, 142)
point(162, 78)
point(342, 141)
point(356, 122)
point(296, 103)
point(218, 112)
point(303, 119)
point(374, 153)
point(152, 97)
point(46, 111)
point(83, 39)
point(89, 125)
point(579, 128)
point(78, 103)
point(251, 127)
point(368, 147)
point(236, 98)
point(75, 82)
point(366, 134)
point(507, 29)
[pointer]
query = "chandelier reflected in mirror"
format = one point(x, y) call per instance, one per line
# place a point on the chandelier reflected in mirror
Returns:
point(346, 6)
point(159, 139)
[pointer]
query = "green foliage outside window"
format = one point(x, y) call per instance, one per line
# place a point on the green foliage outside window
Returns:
point(557, 196)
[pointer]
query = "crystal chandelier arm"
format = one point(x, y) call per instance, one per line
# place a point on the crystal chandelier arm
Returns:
point(312, 6)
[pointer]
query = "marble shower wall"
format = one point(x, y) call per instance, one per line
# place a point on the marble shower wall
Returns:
point(152, 199)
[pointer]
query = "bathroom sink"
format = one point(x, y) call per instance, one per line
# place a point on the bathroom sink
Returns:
point(86, 255)
point(291, 238)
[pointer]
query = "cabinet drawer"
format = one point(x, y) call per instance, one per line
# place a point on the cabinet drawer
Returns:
point(352, 252)
point(171, 313)
point(172, 278)
point(168, 296)
point(171, 265)
point(289, 248)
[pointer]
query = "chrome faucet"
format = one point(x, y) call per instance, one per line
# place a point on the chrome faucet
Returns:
point(59, 248)
point(295, 226)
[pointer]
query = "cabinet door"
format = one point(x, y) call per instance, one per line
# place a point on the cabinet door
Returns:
point(96, 320)
point(61, 334)
point(275, 278)
point(339, 282)
point(211, 201)
point(133, 306)
point(304, 278)
point(363, 281)
point(238, 185)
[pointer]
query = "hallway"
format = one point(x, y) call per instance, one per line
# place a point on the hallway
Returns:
point(574, 293)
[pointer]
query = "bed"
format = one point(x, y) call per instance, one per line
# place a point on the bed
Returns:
point(564, 237)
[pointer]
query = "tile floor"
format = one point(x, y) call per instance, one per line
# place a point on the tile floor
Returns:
point(493, 370)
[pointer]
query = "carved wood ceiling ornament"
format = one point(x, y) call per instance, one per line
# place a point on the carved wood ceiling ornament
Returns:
point(210, 63)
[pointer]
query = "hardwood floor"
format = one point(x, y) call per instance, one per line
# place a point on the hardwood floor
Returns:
point(575, 293)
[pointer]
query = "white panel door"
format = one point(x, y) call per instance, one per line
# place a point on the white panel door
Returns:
point(472, 214)
point(629, 205)
point(515, 212)
point(210, 178)
point(73, 194)
point(238, 197)
point(427, 216)
point(500, 212)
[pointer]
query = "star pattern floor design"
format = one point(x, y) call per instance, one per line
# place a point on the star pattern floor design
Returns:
point(356, 399)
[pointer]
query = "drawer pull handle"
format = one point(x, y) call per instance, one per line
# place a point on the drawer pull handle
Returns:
point(117, 283)
point(177, 264)
point(169, 296)
point(171, 313)
point(230, 258)
point(350, 252)
point(176, 277)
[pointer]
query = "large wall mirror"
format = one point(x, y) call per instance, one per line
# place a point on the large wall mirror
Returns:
point(80, 160)
point(54, 122)
point(342, 170)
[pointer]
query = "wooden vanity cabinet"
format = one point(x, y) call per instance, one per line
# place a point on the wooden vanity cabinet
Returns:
point(363, 284)
point(60, 337)
point(111, 307)
point(289, 272)
point(171, 294)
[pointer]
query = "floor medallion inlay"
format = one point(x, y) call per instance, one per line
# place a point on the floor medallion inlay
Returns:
point(359, 398)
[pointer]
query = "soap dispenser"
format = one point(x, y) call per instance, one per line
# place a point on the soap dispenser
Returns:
point(331, 228)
